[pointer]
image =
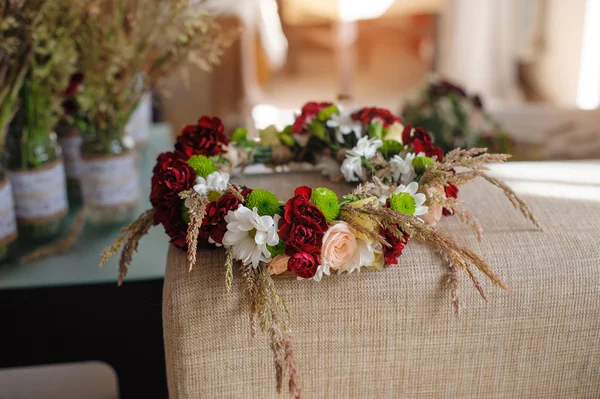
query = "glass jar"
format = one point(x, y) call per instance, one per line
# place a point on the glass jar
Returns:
point(70, 138)
point(110, 179)
point(37, 174)
point(8, 221)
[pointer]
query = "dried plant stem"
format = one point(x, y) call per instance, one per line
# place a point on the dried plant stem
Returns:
point(197, 210)
point(231, 189)
point(454, 283)
point(454, 256)
point(64, 244)
point(228, 269)
point(128, 238)
point(251, 283)
point(517, 202)
point(268, 309)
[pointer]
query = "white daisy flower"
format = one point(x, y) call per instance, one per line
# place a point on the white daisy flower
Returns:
point(344, 125)
point(248, 235)
point(352, 168)
point(366, 147)
point(216, 181)
point(403, 169)
point(407, 200)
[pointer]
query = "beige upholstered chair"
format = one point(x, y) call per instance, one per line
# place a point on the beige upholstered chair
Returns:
point(393, 333)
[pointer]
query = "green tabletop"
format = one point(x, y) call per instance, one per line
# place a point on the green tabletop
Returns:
point(80, 265)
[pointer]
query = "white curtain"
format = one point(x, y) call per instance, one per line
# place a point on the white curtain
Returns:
point(481, 41)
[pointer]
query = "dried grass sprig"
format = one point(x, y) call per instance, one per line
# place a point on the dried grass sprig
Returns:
point(268, 308)
point(233, 190)
point(228, 269)
point(197, 210)
point(453, 255)
point(515, 200)
point(251, 282)
point(64, 244)
point(128, 238)
point(451, 171)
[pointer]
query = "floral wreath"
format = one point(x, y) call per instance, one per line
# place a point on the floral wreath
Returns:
point(406, 185)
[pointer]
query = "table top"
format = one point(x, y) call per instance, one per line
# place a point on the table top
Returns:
point(80, 265)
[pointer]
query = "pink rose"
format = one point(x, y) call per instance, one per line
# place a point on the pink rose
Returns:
point(339, 246)
point(279, 264)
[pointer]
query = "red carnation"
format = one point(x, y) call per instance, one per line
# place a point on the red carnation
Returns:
point(303, 239)
point(410, 134)
point(299, 210)
point(171, 175)
point(205, 138)
point(428, 148)
point(302, 228)
point(304, 264)
point(309, 111)
point(393, 252)
point(451, 192)
point(368, 114)
point(214, 221)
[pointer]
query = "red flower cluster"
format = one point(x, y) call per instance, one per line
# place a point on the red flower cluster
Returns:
point(302, 228)
point(214, 225)
point(366, 116)
point(421, 141)
point(171, 175)
point(309, 111)
point(451, 192)
point(205, 138)
point(393, 252)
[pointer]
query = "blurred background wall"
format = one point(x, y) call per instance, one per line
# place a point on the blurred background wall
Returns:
point(516, 54)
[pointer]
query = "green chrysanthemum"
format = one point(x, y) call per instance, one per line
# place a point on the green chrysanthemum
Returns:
point(327, 201)
point(277, 249)
point(326, 113)
point(390, 148)
point(239, 135)
point(403, 203)
point(286, 138)
point(265, 201)
point(422, 163)
point(202, 165)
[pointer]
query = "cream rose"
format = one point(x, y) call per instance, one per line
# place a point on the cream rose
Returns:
point(339, 246)
point(278, 265)
point(394, 132)
point(434, 213)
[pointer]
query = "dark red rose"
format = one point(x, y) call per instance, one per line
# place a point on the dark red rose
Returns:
point(214, 221)
point(309, 111)
point(368, 114)
point(393, 252)
point(428, 148)
point(303, 239)
point(451, 192)
point(410, 134)
point(204, 138)
point(304, 264)
point(171, 175)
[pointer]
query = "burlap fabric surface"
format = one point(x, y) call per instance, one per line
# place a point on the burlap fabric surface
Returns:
point(393, 333)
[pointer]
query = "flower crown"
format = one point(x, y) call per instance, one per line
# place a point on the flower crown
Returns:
point(407, 184)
